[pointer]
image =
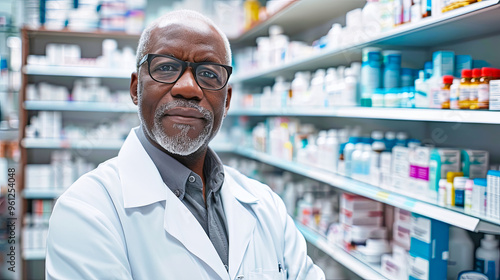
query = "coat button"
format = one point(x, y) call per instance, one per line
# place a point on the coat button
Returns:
point(191, 179)
point(177, 193)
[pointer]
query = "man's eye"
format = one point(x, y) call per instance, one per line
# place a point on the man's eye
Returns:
point(166, 67)
point(207, 74)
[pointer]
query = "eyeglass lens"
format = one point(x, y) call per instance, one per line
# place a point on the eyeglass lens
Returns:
point(168, 70)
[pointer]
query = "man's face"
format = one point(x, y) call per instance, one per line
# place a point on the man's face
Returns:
point(182, 117)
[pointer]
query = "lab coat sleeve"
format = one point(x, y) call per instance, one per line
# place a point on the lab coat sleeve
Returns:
point(297, 263)
point(83, 243)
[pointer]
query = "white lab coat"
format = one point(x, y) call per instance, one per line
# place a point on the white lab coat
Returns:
point(121, 221)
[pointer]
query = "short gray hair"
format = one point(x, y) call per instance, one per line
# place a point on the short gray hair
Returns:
point(174, 15)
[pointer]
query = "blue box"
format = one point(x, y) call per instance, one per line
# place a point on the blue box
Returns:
point(480, 64)
point(443, 63)
point(428, 248)
point(462, 62)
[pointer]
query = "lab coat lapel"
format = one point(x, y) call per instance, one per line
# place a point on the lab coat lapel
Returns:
point(240, 221)
point(183, 226)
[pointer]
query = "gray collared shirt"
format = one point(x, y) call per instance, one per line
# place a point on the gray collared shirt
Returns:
point(188, 187)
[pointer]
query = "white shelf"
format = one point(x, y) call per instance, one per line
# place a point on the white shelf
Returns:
point(452, 26)
point(9, 134)
point(451, 215)
point(222, 147)
point(291, 18)
point(80, 106)
point(349, 261)
point(34, 254)
point(99, 144)
point(77, 71)
point(41, 193)
point(407, 114)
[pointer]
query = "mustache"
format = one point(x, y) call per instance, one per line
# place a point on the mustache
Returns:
point(160, 112)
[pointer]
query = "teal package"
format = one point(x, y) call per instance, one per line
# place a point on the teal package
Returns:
point(428, 248)
point(475, 163)
point(442, 161)
point(462, 62)
point(443, 63)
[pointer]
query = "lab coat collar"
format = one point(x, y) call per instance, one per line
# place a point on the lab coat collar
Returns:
point(183, 226)
point(237, 191)
point(141, 182)
point(240, 221)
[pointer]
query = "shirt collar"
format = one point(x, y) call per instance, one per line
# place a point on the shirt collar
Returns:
point(172, 172)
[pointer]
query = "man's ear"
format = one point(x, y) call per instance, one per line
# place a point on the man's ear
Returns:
point(134, 79)
point(228, 99)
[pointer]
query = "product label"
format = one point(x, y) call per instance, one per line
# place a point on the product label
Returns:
point(495, 95)
point(477, 171)
point(486, 267)
point(419, 268)
point(419, 172)
point(445, 95)
point(483, 92)
point(473, 93)
point(421, 229)
point(459, 197)
point(464, 93)
point(435, 95)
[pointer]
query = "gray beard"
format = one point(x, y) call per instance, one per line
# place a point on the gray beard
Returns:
point(181, 143)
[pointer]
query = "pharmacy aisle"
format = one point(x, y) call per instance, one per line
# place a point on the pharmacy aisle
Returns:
point(386, 115)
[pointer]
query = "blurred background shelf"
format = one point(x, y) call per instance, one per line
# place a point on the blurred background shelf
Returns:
point(361, 268)
point(406, 114)
point(80, 106)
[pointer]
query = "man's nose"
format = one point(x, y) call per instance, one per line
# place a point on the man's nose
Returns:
point(186, 87)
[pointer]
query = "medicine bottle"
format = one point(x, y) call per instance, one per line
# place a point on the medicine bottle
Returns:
point(483, 89)
point(488, 257)
point(464, 94)
point(445, 91)
point(474, 82)
point(454, 94)
point(251, 13)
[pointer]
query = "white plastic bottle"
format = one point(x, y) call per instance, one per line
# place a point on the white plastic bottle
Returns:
point(280, 92)
point(299, 87)
point(488, 257)
point(334, 36)
point(349, 95)
point(317, 89)
point(365, 162)
point(322, 149)
point(461, 250)
point(331, 86)
point(421, 91)
point(332, 150)
point(356, 161)
point(371, 18)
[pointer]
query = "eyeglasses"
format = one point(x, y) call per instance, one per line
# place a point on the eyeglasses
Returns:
point(166, 69)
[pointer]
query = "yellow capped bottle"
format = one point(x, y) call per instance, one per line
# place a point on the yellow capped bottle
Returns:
point(445, 91)
point(464, 94)
point(474, 82)
point(251, 12)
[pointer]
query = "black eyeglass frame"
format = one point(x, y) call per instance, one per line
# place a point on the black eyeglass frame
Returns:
point(185, 64)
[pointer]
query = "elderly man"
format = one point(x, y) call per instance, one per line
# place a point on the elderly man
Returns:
point(166, 207)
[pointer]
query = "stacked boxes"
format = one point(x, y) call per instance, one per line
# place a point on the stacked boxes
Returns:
point(361, 219)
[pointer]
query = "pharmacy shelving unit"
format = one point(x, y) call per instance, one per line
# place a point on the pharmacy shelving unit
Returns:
point(37, 150)
point(474, 30)
point(350, 261)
